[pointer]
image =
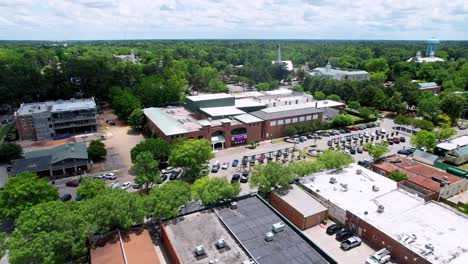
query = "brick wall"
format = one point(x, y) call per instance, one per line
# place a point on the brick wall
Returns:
point(169, 247)
point(24, 126)
point(288, 211)
point(377, 239)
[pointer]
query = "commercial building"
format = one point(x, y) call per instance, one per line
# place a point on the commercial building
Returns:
point(124, 247)
point(385, 216)
point(53, 119)
point(430, 87)
point(247, 231)
point(454, 150)
point(226, 120)
point(299, 207)
point(445, 185)
point(65, 160)
point(340, 74)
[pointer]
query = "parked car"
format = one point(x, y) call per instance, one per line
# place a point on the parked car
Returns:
point(245, 160)
point(354, 128)
point(342, 140)
point(72, 183)
point(335, 132)
point(329, 143)
point(390, 141)
point(138, 186)
point(333, 229)
point(396, 140)
point(235, 178)
point(225, 165)
point(99, 176)
point(343, 235)
point(293, 140)
point(164, 176)
point(347, 130)
point(383, 131)
point(402, 139)
point(245, 173)
point(174, 174)
point(352, 151)
point(215, 167)
point(350, 243)
point(406, 152)
point(303, 138)
point(366, 134)
point(110, 176)
point(235, 163)
point(314, 152)
point(244, 179)
point(65, 197)
point(342, 131)
point(261, 158)
point(379, 257)
point(326, 134)
point(462, 127)
point(126, 185)
point(359, 149)
point(114, 184)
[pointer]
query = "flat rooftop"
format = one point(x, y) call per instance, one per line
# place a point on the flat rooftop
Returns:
point(248, 118)
point(286, 111)
point(247, 94)
point(73, 105)
point(453, 143)
point(404, 214)
point(351, 188)
point(248, 102)
point(328, 103)
point(205, 97)
point(249, 223)
point(203, 228)
point(280, 91)
point(34, 108)
point(415, 224)
point(222, 111)
point(301, 201)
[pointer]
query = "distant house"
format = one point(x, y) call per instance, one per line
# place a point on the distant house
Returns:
point(431, 87)
point(457, 156)
point(65, 160)
point(425, 157)
point(334, 73)
point(126, 58)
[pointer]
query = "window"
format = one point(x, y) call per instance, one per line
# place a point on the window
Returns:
point(280, 122)
point(309, 117)
point(302, 118)
point(315, 116)
point(287, 121)
point(374, 237)
point(294, 119)
point(389, 248)
point(273, 123)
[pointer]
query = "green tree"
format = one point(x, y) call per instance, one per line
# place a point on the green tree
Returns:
point(366, 113)
point(114, 209)
point(263, 86)
point(166, 200)
point(97, 150)
point(304, 168)
point(354, 105)
point(319, 96)
point(24, 191)
point(90, 188)
point(10, 151)
point(445, 133)
point(213, 190)
point(3, 244)
point(377, 151)
point(217, 86)
point(428, 106)
point(334, 97)
point(160, 149)
point(377, 65)
point(269, 176)
point(51, 232)
point(192, 155)
point(424, 139)
point(397, 176)
point(147, 170)
point(335, 160)
point(395, 104)
point(453, 105)
point(342, 121)
point(124, 102)
point(291, 130)
point(136, 119)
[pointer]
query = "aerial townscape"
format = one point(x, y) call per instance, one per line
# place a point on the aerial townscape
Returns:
point(210, 132)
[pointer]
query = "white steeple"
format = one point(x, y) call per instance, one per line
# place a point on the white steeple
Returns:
point(278, 59)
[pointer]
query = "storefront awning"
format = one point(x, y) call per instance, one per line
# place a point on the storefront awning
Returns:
point(217, 139)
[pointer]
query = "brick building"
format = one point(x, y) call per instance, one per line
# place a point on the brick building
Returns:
point(443, 184)
point(385, 216)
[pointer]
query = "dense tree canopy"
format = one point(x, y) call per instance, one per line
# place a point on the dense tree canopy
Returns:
point(192, 155)
point(272, 175)
point(160, 149)
point(147, 170)
point(166, 200)
point(10, 151)
point(213, 190)
point(97, 150)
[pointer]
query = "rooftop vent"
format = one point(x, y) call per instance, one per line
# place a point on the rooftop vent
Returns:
point(233, 205)
point(278, 227)
point(429, 246)
point(332, 180)
point(269, 236)
point(248, 261)
point(358, 171)
point(200, 250)
point(213, 261)
point(220, 243)
point(375, 188)
point(380, 209)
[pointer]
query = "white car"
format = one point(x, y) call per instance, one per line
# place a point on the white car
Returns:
point(115, 185)
point(99, 176)
point(225, 165)
point(110, 176)
point(168, 170)
point(372, 134)
point(366, 134)
point(126, 185)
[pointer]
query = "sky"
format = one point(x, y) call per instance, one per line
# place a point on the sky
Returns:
point(233, 19)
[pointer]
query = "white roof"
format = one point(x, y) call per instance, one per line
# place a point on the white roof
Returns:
point(425, 59)
point(288, 107)
point(404, 214)
point(328, 103)
point(247, 118)
point(247, 94)
point(454, 143)
point(209, 96)
point(222, 111)
point(280, 91)
point(247, 102)
point(34, 108)
point(289, 64)
point(71, 105)
point(302, 201)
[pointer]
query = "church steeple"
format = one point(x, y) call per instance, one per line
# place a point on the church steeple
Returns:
point(328, 66)
point(278, 59)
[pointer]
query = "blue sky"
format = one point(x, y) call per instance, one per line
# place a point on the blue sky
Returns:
point(233, 19)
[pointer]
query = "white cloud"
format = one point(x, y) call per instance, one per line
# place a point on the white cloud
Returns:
point(302, 19)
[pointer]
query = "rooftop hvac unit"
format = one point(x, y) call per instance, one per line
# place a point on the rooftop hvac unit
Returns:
point(269, 236)
point(200, 250)
point(213, 261)
point(380, 209)
point(220, 243)
point(332, 180)
point(358, 171)
point(278, 227)
point(248, 261)
point(233, 205)
point(375, 188)
point(429, 246)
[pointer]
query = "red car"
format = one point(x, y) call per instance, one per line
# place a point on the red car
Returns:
point(354, 129)
point(73, 183)
point(396, 140)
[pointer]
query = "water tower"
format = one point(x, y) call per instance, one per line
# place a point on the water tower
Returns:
point(431, 47)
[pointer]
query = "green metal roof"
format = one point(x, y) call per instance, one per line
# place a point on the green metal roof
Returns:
point(337, 71)
point(463, 151)
point(169, 126)
point(63, 152)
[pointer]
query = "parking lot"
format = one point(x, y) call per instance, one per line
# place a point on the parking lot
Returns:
point(329, 244)
point(267, 147)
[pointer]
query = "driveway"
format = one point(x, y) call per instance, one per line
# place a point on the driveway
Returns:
point(357, 255)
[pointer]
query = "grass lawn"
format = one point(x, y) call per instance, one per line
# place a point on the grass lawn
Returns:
point(276, 141)
point(354, 118)
point(4, 130)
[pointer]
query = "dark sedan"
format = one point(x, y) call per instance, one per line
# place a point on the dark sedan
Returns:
point(73, 183)
point(333, 229)
point(343, 235)
point(235, 178)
